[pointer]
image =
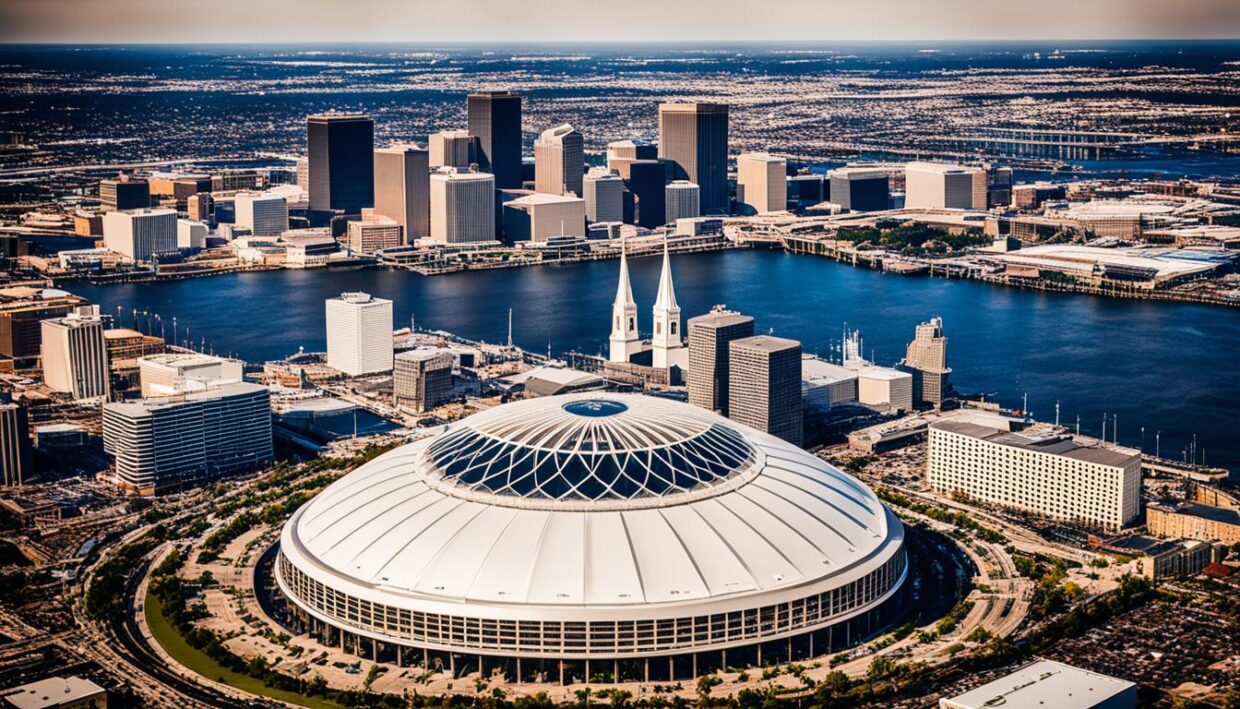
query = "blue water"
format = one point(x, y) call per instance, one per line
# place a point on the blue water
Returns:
point(1162, 366)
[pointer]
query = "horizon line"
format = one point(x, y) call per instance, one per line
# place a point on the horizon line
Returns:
point(617, 42)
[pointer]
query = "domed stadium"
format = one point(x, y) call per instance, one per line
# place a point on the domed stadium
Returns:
point(596, 537)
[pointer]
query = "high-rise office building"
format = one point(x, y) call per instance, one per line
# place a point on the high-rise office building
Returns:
point(495, 120)
point(761, 183)
point(935, 186)
point(15, 458)
point(124, 193)
point(403, 189)
point(667, 346)
point(422, 379)
point(648, 183)
point(694, 137)
point(604, 196)
point(263, 214)
point(764, 385)
point(804, 191)
point(559, 161)
point(860, 189)
point(462, 207)
point(926, 360)
point(539, 217)
point(710, 339)
point(451, 148)
point(623, 153)
point(194, 436)
point(142, 235)
point(372, 234)
point(359, 334)
point(1048, 473)
point(198, 207)
point(341, 168)
point(303, 174)
point(74, 357)
point(191, 234)
point(682, 200)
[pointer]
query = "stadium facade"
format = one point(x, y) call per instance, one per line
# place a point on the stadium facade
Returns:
point(593, 537)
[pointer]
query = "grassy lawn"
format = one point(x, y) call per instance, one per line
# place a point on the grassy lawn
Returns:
point(199, 662)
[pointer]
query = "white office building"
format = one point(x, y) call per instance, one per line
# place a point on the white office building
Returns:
point(761, 183)
point(462, 207)
point(263, 214)
point(141, 234)
point(825, 384)
point(74, 358)
point(359, 334)
point(173, 373)
point(1039, 470)
point(683, 200)
point(191, 234)
point(539, 216)
point(163, 442)
point(559, 161)
point(937, 186)
point(885, 388)
point(604, 196)
point(1046, 684)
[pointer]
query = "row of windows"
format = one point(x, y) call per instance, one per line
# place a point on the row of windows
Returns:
point(593, 637)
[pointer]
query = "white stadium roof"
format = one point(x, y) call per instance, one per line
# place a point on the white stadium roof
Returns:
point(591, 501)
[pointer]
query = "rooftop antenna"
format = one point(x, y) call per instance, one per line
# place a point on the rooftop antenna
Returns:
point(1024, 403)
point(1056, 413)
point(1078, 424)
point(1157, 442)
point(1104, 427)
point(510, 328)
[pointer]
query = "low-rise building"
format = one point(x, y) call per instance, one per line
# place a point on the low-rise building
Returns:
point(1045, 684)
point(825, 384)
point(56, 693)
point(422, 378)
point(1190, 520)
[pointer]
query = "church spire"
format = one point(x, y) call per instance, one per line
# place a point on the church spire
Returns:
point(666, 299)
point(624, 289)
point(666, 343)
point(624, 340)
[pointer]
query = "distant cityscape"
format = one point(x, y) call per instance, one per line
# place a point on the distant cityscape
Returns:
point(700, 513)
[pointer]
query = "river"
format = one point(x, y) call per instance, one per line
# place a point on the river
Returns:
point(1168, 367)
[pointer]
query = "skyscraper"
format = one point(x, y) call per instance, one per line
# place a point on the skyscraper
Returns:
point(604, 196)
point(263, 214)
point(764, 385)
point(341, 168)
point(859, 189)
point(559, 161)
point(373, 233)
point(124, 193)
point(15, 459)
point(694, 136)
point(683, 201)
point(936, 186)
point(668, 347)
point(451, 148)
point(359, 334)
point(622, 153)
point(624, 339)
point(710, 338)
point(648, 181)
point(142, 235)
point(403, 189)
point(74, 357)
point(495, 120)
point(761, 182)
point(926, 360)
point(462, 207)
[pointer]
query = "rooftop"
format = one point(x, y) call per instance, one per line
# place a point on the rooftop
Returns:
point(51, 692)
point(1042, 442)
point(720, 319)
point(1044, 684)
point(1214, 514)
point(766, 343)
point(942, 168)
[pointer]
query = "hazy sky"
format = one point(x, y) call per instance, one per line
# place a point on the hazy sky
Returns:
point(88, 21)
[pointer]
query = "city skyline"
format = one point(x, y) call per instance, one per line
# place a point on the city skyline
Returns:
point(233, 21)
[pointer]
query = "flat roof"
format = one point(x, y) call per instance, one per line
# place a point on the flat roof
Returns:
point(820, 371)
point(720, 319)
point(51, 692)
point(1057, 444)
point(1193, 509)
point(1044, 684)
point(882, 373)
point(766, 343)
point(942, 168)
point(538, 198)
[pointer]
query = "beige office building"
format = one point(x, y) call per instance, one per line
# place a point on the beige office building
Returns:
point(1190, 520)
point(764, 385)
point(710, 339)
point(937, 186)
point(462, 207)
point(403, 189)
point(374, 233)
point(926, 360)
point(539, 216)
point(422, 379)
point(761, 182)
point(176, 373)
point(623, 153)
point(75, 360)
point(559, 161)
point(1040, 471)
point(451, 148)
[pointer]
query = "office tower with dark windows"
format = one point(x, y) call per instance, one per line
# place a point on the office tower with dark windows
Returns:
point(622, 153)
point(694, 137)
point(559, 161)
point(764, 385)
point(710, 339)
point(341, 169)
point(495, 120)
point(860, 189)
point(403, 189)
point(15, 459)
point(682, 201)
point(604, 196)
point(647, 181)
point(124, 193)
point(422, 379)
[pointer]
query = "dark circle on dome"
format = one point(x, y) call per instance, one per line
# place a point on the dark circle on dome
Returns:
point(595, 408)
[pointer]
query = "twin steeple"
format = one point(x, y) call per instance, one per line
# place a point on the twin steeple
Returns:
point(666, 342)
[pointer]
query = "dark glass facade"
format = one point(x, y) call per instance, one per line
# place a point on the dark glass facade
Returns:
point(342, 162)
point(494, 118)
